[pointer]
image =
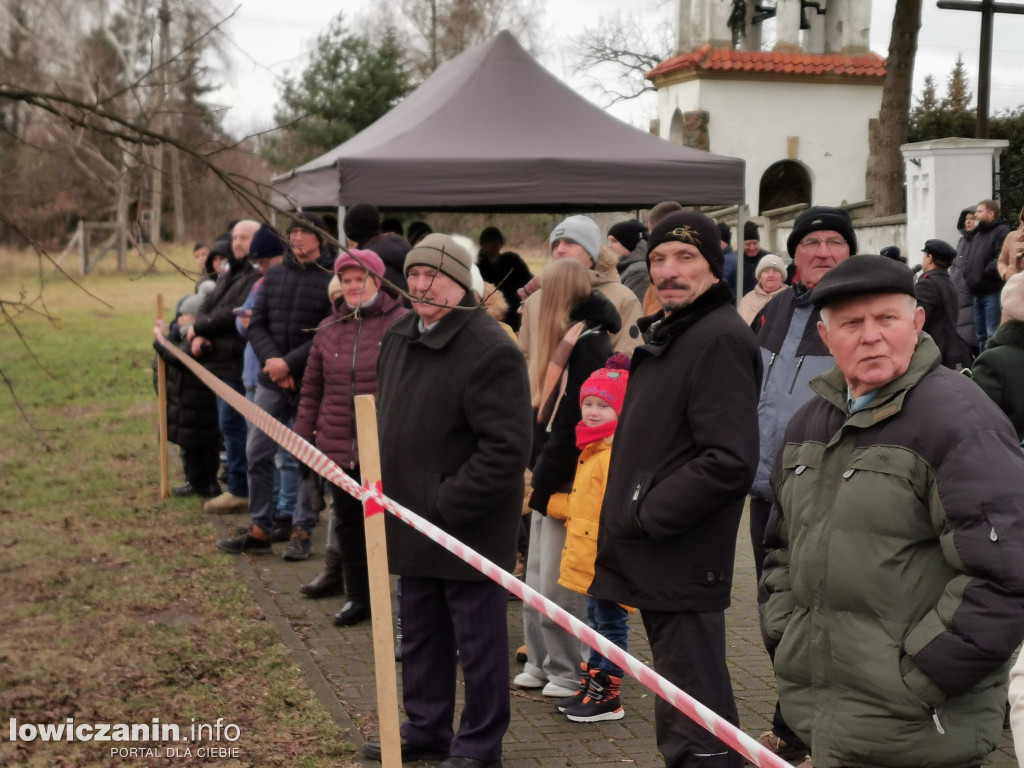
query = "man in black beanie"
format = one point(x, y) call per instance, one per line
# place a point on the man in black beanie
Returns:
point(363, 229)
point(504, 269)
point(752, 254)
point(629, 240)
point(685, 454)
point(793, 354)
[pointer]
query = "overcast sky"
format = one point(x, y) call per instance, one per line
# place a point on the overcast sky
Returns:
point(267, 38)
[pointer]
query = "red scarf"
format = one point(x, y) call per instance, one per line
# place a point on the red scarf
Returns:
point(586, 435)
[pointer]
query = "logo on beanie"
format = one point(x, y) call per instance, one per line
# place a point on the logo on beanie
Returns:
point(686, 234)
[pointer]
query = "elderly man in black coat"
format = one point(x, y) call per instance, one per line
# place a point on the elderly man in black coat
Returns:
point(937, 294)
point(455, 432)
point(684, 456)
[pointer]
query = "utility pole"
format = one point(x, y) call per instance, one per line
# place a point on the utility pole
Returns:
point(988, 9)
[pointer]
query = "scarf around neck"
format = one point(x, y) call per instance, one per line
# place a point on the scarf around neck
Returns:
point(586, 435)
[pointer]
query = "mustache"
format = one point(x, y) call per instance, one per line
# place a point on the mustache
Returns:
point(670, 284)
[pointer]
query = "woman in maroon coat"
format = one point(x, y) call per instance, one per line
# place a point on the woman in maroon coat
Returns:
point(343, 364)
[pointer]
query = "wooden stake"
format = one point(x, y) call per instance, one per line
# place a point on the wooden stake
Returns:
point(380, 590)
point(161, 388)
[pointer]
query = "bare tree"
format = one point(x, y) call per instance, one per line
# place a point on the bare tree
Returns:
point(617, 53)
point(104, 54)
point(885, 176)
point(439, 30)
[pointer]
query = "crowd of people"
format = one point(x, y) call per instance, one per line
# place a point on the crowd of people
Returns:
point(646, 407)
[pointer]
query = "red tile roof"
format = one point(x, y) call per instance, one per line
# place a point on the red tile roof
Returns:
point(708, 59)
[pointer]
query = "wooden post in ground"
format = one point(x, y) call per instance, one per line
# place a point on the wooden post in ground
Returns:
point(161, 388)
point(380, 590)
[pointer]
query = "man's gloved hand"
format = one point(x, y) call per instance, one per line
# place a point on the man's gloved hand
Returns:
point(538, 502)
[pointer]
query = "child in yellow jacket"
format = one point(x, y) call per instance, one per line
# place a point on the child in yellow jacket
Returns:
point(597, 697)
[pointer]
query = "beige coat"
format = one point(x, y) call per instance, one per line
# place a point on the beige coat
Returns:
point(1011, 257)
point(753, 302)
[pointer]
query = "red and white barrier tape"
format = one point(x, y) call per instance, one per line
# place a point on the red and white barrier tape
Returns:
point(372, 496)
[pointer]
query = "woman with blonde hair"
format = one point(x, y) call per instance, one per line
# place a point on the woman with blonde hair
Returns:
point(579, 238)
point(571, 340)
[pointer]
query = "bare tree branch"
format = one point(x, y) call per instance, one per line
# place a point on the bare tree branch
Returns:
point(616, 54)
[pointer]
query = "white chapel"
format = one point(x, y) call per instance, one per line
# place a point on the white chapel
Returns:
point(790, 86)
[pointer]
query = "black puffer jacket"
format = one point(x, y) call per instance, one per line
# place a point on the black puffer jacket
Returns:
point(965, 317)
point(290, 305)
point(981, 256)
point(216, 321)
point(556, 464)
point(938, 295)
point(191, 405)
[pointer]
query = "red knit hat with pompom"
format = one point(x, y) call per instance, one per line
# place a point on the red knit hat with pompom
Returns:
point(609, 383)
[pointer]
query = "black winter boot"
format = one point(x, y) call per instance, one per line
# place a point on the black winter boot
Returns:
point(329, 581)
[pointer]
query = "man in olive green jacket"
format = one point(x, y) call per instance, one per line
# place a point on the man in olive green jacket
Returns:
point(894, 583)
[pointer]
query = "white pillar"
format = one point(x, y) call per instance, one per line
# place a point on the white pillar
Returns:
point(848, 26)
point(944, 176)
point(787, 25)
point(752, 41)
point(684, 27)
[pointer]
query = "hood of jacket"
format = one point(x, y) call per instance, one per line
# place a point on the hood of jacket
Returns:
point(637, 255)
point(603, 275)
point(1008, 334)
point(597, 312)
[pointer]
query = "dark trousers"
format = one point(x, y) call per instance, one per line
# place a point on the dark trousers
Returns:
point(201, 466)
point(760, 509)
point(234, 429)
point(260, 450)
point(689, 651)
point(444, 623)
point(608, 619)
point(348, 537)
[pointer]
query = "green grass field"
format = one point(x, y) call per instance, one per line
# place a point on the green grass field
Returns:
point(116, 609)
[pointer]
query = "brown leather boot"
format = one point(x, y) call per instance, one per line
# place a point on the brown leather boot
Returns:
point(329, 581)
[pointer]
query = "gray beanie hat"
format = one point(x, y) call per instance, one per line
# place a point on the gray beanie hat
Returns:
point(445, 255)
point(582, 230)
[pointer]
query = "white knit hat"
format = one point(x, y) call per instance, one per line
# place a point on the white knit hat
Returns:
point(769, 261)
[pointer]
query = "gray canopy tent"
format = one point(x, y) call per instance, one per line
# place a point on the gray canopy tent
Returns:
point(492, 130)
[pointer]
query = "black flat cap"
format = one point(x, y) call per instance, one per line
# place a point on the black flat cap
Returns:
point(940, 250)
point(863, 275)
